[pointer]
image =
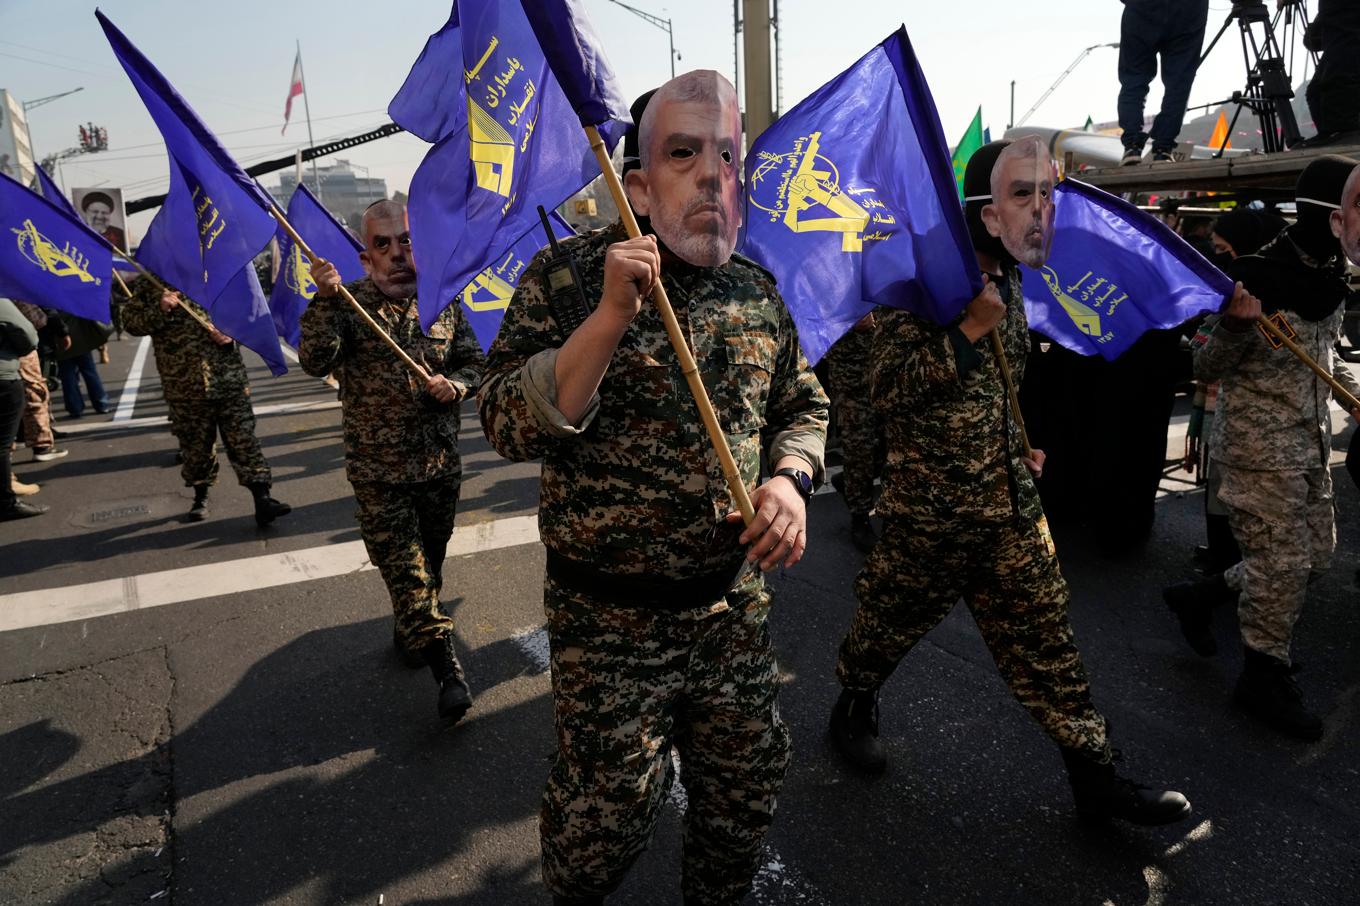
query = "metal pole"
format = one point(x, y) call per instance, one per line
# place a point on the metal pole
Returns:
point(306, 106)
point(671, 32)
point(1011, 122)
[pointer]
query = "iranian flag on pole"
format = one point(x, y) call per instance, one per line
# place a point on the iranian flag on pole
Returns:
point(294, 89)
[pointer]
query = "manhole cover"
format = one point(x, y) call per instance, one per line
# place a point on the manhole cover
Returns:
point(108, 513)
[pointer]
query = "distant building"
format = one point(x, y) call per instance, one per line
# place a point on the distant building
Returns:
point(344, 193)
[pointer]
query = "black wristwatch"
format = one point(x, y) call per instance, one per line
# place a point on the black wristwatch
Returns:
point(801, 480)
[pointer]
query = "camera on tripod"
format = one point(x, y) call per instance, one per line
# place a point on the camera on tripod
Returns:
point(1269, 93)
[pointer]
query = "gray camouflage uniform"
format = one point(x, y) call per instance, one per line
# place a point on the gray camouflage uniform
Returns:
point(656, 642)
point(1271, 440)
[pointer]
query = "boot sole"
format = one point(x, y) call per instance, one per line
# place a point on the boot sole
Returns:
point(1092, 816)
point(868, 768)
point(454, 715)
point(1293, 732)
point(1207, 647)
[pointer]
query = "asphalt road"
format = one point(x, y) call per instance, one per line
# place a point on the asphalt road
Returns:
point(211, 714)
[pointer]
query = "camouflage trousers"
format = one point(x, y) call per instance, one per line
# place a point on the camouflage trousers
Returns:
point(1009, 578)
point(196, 423)
point(406, 530)
point(1285, 524)
point(857, 421)
point(628, 685)
point(37, 420)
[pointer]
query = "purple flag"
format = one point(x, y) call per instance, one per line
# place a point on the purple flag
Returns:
point(578, 61)
point(1114, 273)
point(214, 220)
point(851, 202)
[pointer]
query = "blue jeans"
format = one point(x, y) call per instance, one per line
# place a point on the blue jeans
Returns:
point(72, 370)
point(1173, 30)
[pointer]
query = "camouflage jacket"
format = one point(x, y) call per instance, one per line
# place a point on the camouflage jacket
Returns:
point(637, 488)
point(191, 365)
point(394, 430)
point(1272, 411)
point(953, 448)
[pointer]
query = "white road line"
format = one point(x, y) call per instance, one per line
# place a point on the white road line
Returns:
point(43, 607)
point(152, 420)
point(128, 398)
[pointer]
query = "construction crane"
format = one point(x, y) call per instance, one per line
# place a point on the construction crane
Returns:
point(1066, 72)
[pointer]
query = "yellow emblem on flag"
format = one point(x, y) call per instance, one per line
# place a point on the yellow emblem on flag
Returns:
point(487, 284)
point(492, 150)
point(803, 189)
point(297, 274)
point(43, 252)
point(1083, 316)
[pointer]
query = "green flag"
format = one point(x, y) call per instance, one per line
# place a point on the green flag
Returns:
point(971, 141)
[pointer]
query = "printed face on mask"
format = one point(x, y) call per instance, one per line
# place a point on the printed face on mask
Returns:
point(689, 185)
point(1346, 222)
point(387, 252)
point(1021, 211)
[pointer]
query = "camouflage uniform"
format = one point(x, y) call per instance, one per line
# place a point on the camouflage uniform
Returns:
point(1271, 441)
point(962, 518)
point(206, 389)
point(856, 419)
point(401, 446)
point(656, 640)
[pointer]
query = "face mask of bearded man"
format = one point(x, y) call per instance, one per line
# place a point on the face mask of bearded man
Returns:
point(1345, 222)
point(1021, 211)
point(689, 182)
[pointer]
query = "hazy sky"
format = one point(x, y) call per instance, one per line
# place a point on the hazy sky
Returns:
point(232, 61)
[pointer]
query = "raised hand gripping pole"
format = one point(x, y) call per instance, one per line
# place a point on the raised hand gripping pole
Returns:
point(156, 280)
point(1342, 394)
point(354, 303)
point(1000, 352)
point(688, 367)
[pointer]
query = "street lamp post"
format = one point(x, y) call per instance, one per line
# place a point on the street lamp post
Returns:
point(663, 24)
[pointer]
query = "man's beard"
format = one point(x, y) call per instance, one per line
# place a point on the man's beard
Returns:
point(1031, 255)
point(403, 286)
point(710, 248)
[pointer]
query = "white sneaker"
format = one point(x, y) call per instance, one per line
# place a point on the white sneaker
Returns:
point(47, 454)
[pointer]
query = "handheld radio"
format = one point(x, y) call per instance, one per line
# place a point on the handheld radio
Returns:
point(566, 297)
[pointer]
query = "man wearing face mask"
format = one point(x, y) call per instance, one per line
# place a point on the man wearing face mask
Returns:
point(655, 612)
point(1271, 442)
point(962, 518)
point(401, 435)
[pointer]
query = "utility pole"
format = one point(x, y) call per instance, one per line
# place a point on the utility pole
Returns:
point(307, 108)
point(759, 100)
point(663, 24)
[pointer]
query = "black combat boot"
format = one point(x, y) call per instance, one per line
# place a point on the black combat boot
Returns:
point(267, 509)
point(1267, 691)
point(1099, 792)
point(1193, 603)
point(454, 696)
point(854, 730)
point(862, 533)
point(199, 510)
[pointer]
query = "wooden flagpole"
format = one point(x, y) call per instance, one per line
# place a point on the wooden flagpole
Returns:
point(1343, 395)
point(345, 294)
point(735, 486)
point(156, 280)
point(1000, 352)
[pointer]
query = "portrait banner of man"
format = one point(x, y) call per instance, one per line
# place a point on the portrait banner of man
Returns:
point(102, 210)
